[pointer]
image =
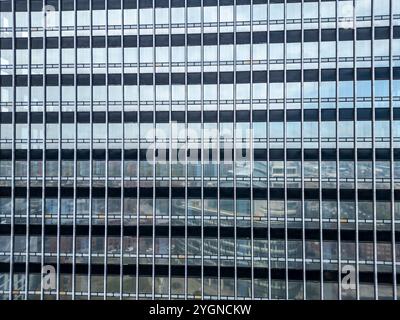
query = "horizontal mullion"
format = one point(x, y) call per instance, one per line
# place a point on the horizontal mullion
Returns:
point(207, 155)
point(198, 39)
point(195, 78)
point(293, 115)
point(259, 233)
point(208, 193)
point(197, 271)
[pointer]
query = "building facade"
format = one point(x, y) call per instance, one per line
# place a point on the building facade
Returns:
point(188, 149)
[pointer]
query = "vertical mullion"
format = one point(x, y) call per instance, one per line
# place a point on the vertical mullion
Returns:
point(373, 150)
point(75, 160)
point(321, 246)
point(285, 148)
point(268, 154)
point(202, 149)
point(302, 156)
point(234, 142)
point(10, 289)
point(59, 147)
point(203, 144)
point(44, 148)
point(154, 151)
point(107, 161)
point(337, 152)
point(28, 161)
point(186, 140)
point(251, 151)
point(170, 144)
point(392, 185)
point(121, 258)
point(218, 154)
point(90, 156)
point(138, 149)
point(217, 142)
point(355, 152)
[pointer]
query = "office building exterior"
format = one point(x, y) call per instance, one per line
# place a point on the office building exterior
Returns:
point(199, 149)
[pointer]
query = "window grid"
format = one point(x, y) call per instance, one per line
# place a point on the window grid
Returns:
point(365, 175)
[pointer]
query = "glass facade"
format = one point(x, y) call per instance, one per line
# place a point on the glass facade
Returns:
point(199, 149)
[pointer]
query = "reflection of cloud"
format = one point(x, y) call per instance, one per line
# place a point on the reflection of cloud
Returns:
point(363, 7)
point(4, 22)
point(243, 13)
point(50, 16)
point(346, 12)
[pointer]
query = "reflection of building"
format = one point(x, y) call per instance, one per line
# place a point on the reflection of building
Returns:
point(79, 187)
